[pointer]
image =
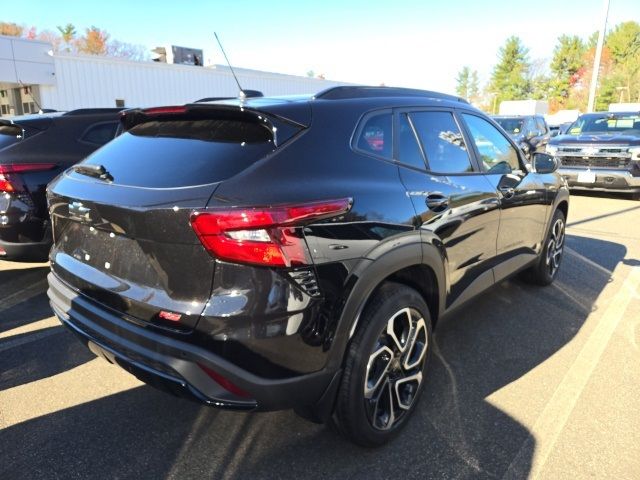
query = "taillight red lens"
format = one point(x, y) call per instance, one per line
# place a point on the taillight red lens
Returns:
point(9, 182)
point(224, 382)
point(263, 236)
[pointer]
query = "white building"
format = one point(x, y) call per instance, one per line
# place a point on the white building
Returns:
point(31, 76)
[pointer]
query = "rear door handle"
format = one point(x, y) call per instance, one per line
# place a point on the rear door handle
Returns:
point(437, 202)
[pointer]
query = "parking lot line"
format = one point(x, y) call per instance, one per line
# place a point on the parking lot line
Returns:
point(23, 295)
point(555, 415)
point(4, 346)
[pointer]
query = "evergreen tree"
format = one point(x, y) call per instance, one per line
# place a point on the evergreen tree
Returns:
point(474, 87)
point(568, 59)
point(463, 82)
point(509, 80)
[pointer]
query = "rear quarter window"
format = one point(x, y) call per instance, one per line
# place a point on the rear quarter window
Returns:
point(181, 153)
point(100, 133)
point(374, 135)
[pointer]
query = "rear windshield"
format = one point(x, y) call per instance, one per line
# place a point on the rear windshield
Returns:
point(180, 153)
point(9, 134)
point(609, 123)
point(511, 125)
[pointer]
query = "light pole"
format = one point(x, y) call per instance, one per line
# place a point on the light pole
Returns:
point(622, 89)
point(596, 60)
point(494, 96)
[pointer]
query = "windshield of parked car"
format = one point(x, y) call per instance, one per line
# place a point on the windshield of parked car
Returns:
point(511, 125)
point(606, 123)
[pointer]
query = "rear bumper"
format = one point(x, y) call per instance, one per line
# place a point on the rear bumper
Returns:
point(25, 251)
point(610, 180)
point(175, 365)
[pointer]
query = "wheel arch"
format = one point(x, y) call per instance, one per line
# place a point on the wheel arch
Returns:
point(416, 265)
point(563, 206)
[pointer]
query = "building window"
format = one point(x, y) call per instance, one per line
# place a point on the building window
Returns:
point(120, 102)
point(27, 90)
point(5, 109)
point(3, 94)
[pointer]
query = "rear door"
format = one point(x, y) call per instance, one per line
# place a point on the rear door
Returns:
point(125, 240)
point(457, 207)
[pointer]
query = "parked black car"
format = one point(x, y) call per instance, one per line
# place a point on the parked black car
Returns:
point(560, 129)
point(601, 151)
point(297, 253)
point(530, 132)
point(33, 150)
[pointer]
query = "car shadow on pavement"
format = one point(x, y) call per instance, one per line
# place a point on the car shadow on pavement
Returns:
point(457, 431)
point(31, 353)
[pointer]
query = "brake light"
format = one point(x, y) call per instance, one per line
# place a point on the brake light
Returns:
point(263, 236)
point(224, 382)
point(164, 110)
point(10, 182)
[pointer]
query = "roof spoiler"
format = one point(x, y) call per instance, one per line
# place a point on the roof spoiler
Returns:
point(92, 111)
point(296, 114)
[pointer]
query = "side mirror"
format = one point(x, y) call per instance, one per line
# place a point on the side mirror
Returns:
point(544, 163)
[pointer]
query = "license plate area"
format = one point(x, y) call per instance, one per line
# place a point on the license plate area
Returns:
point(586, 177)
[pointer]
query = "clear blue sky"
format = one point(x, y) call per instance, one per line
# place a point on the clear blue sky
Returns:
point(410, 43)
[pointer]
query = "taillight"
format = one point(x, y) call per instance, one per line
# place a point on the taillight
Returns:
point(173, 110)
point(11, 182)
point(263, 236)
point(224, 382)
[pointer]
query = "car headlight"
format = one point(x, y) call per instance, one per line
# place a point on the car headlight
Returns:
point(552, 149)
point(635, 153)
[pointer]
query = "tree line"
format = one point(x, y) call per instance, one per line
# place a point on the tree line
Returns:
point(564, 80)
point(66, 39)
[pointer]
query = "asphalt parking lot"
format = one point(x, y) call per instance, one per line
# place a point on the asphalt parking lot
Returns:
point(527, 382)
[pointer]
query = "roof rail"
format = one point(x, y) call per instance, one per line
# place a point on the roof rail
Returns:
point(93, 111)
point(345, 92)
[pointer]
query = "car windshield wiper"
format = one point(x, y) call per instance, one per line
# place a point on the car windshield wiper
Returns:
point(97, 171)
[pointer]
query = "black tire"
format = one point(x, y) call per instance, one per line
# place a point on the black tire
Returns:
point(546, 269)
point(358, 415)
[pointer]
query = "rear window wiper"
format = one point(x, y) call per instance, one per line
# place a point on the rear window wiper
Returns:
point(97, 171)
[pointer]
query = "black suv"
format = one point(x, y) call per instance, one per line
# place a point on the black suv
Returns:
point(530, 132)
point(601, 151)
point(297, 252)
point(33, 150)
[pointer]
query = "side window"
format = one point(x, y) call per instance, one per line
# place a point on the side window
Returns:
point(532, 128)
point(542, 128)
point(100, 134)
point(442, 142)
point(408, 148)
point(375, 135)
point(497, 155)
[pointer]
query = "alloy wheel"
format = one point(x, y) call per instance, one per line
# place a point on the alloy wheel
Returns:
point(394, 369)
point(555, 247)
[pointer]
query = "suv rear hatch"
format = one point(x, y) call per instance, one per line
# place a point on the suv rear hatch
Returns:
point(121, 218)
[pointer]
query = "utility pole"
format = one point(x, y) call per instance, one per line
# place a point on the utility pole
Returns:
point(596, 60)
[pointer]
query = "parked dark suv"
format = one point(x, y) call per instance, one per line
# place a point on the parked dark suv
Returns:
point(530, 132)
point(297, 252)
point(601, 151)
point(33, 150)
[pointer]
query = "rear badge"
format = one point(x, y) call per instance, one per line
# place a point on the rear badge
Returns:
point(77, 211)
